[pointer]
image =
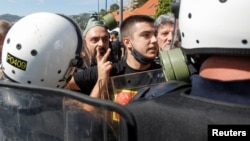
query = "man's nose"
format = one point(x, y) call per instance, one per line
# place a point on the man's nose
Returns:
point(170, 37)
point(153, 38)
point(100, 43)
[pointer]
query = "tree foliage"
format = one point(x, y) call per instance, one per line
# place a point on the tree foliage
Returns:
point(114, 7)
point(164, 6)
point(140, 2)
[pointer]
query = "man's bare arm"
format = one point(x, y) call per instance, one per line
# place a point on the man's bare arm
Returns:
point(72, 85)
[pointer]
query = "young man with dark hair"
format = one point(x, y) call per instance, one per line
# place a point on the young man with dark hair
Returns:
point(138, 36)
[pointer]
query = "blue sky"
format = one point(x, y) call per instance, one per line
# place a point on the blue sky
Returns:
point(68, 7)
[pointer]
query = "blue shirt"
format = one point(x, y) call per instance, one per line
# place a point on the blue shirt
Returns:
point(228, 91)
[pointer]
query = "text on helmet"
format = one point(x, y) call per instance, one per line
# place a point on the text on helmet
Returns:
point(16, 62)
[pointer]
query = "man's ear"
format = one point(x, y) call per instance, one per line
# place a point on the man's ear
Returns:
point(127, 43)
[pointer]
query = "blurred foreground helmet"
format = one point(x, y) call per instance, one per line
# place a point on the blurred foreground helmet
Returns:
point(215, 26)
point(40, 49)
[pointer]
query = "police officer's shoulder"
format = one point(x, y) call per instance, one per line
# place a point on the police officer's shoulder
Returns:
point(160, 89)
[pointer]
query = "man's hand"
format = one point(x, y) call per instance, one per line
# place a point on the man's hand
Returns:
point(104, 66)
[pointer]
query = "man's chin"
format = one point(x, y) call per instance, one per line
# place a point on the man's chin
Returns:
point(152, 57)
point(166, 47)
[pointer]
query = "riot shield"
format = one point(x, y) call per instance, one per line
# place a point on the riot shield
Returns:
point(123, 88)
point(33, 113)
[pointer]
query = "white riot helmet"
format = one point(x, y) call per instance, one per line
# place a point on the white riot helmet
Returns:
point(215, 26)
point(40, 49)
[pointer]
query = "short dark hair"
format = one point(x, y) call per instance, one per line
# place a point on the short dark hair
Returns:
point(114, 33)
point(128, 23)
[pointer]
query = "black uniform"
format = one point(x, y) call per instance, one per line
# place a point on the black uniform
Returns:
point(184, 113)
point(117, 48)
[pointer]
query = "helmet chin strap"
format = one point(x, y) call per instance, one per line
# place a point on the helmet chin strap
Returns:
point(139, 57)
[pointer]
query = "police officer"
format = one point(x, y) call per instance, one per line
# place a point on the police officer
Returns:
point(218, 39)
point(41, 49)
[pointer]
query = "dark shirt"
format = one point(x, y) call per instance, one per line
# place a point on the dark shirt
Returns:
point(87, 78)
point(186, 112)
point(229, 91)
point(116, 47)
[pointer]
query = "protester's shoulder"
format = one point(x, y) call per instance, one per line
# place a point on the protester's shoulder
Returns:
point(161, 90)
point(86, 71)
point(119, 64)
point(118, 67)
point(155, 65)
point(85, 79)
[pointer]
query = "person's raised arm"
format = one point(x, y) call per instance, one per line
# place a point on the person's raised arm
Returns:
point(104, 67)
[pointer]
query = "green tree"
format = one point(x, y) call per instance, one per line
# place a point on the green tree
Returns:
point(140, 2)
point(114, 7)
point(164, 6)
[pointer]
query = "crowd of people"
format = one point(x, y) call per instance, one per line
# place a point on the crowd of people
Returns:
point(85, 62)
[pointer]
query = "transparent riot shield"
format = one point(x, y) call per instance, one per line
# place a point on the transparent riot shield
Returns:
point(123, 88)
point(32, 113)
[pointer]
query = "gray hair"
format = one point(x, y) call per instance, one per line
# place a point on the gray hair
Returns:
point(164, 19)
